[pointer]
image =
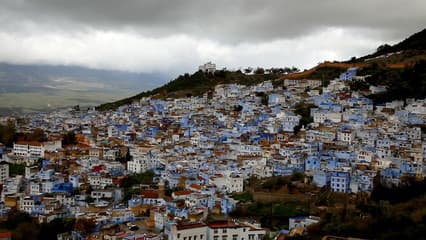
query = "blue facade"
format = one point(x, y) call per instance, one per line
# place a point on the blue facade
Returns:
point(349, 74)
point(63, 188)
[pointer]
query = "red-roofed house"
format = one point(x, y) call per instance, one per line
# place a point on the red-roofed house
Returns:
point(234, 231)
point(151, 197)
point(187, 231)
point(181, 194)
point(195, 187)
point(214, 231)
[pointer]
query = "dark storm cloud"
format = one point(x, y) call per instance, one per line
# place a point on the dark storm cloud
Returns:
point(224, 20)
point(176, 36)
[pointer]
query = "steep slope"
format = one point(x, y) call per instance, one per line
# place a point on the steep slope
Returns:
point(416, 41)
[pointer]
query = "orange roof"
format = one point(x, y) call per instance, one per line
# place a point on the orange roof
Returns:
point(181, 193)
point(196, 186)
point(224, 224)
point(31, 143)
point(189, 226)
point(149, 194)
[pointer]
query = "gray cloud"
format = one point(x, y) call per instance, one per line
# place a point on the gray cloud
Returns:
point(175, 35)
point(237, 20)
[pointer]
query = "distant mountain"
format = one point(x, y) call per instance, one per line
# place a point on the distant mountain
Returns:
point(40, 87)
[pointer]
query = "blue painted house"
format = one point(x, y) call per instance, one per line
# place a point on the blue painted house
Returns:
point(349, 74)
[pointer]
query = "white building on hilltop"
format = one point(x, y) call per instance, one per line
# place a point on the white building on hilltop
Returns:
point(208, 67)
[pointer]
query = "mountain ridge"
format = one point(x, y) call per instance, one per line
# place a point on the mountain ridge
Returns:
point(39, 87)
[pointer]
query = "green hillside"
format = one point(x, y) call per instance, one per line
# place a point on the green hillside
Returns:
point(193, 85)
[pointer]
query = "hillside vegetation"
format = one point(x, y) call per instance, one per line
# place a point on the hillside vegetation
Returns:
point(194, 85)
point(401, 84)
point(416, 42)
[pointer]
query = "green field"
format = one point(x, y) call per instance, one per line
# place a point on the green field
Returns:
point(29, 102)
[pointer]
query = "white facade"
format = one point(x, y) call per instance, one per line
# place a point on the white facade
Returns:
point(195, 231)
point(208, 67)
point(302, 83)
point(215, 231)
point(97, 194)
point(28, 149)
point(347, 136)
point(98, 182)
point(364, 155)
point(320, 116)
point(140, 164)
point(233, 231)
point(302, 222)
point(4, 172)
point(229, 184)
point(418, 107)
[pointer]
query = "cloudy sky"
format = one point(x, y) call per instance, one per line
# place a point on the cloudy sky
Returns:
point(176, 36)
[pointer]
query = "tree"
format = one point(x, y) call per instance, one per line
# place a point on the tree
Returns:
point(304, 110)
point(259, 70)
point(36, 135)
point(27, 231)
point(15, 217)
point(384, 48)
point(294, 69)
point(51, 229)
point(265, 100)
point(8, 133)
point(16, 169)
point(84, 226)
point(238, 108)
point(298, 176)
point(69, 138)
point(126, 158)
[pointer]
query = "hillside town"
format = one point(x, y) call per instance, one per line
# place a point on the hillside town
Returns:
point(196, 153)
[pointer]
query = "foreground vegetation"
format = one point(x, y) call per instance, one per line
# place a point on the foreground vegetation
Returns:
point(401, 84)
point(388, 213)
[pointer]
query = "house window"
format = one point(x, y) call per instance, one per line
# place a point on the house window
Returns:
point(224, 237)
point(215, 237)
point(224, 230)
point(184, 238)
point(201, 236)
point(235, 237)
point(215, 231)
